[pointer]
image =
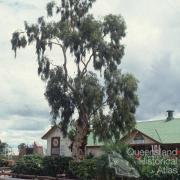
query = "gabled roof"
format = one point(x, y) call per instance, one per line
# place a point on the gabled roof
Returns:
point(124, 139)
point(90, 140)
point(51, 130)
point(163, 131)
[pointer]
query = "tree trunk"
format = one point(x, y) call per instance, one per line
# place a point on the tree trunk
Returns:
point(80, 141)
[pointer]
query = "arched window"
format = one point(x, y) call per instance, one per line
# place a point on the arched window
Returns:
point(139, 139)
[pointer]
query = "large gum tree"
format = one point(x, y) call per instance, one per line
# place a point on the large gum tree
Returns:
point(102, 97)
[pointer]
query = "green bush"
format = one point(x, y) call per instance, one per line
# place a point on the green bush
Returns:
point(103, 172)
point(95, 168)
point(37, 165)
point(3, 163)
point(168, 169)
point(85, 169)
point(88, 169)
point(55, 165)
point(30, 164)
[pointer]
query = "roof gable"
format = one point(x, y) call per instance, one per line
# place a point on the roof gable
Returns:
point(166, 132)
point(50, 131)
point(129, 138)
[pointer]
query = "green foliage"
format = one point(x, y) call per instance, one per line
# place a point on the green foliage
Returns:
point(31, 164)
point(122, 149)
point(56, 165)
point(3, 148)
point(37, 165)
point(116, 147)
point(122, 103)
point(103, 172)
point(58, 97)
point(85, 170)
point(95, 45)
point(3, 162)
point(21, 146)
point(149, 167)
point(94, 168)
point(71, 134)
point(159, 167)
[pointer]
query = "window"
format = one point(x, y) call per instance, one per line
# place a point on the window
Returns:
point(55, 146)
point(139, 139)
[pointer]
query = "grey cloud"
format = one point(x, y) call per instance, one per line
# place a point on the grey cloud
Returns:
point(6, 112)
point(152, 55)
point(24, 123)
point(29, 124)
point(19, 5)
point(160, 91)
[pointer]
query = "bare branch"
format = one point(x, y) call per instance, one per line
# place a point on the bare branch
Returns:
point(86, 65)
point(65, 62)
point(59, 44)
point(65, 65)
point(65, 58)
point(83, 62)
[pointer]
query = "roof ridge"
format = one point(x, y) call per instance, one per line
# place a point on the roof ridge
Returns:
point(146, 121)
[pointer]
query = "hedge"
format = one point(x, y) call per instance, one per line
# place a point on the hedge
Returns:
point(95, 168)
point(51, 166)
point(31, 164)
point(37, 165)
point(3, 163)
point(55, 165)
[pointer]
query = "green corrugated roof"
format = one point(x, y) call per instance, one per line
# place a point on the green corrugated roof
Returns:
point(161, 130)
point(90, 141)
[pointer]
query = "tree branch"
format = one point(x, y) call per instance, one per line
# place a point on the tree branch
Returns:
point(65, 58)
point(86, 64)
point(83, 62)
point(65, 64)
point(59, 44)
point(103, 104)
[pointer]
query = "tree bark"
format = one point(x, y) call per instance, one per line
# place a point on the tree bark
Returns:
point(80, 142)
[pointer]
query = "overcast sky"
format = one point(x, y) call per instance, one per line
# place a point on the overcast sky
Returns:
point(152, 54)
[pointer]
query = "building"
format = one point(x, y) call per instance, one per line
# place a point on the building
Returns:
point(33, 149)
point(59, 145)
point(147, 135)
point(155, 135)
point(56, 143)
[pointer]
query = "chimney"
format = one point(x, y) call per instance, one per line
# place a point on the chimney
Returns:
point(170, 115)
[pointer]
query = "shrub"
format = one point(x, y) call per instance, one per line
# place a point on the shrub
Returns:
point(103, 172)
point(30, 164)
point(37, 165)
point(167, 168)
point(85, 169)
point(55, 165)
point(3, 163)
point(95, 168)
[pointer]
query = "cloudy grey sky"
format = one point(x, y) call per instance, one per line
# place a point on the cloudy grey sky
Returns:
point(152, 55)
